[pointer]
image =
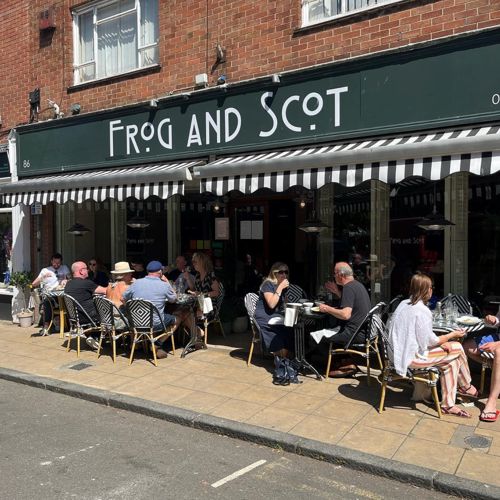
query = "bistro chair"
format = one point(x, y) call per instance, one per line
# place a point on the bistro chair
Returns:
point(371, 327)
point(80, 323)
point(215, 318)
point(391, 307)
point(486, 364)
point(295, 294)
point(109, 316)
point(428, 376)
point(462, 303)
point(251, 304)
point(141, 315)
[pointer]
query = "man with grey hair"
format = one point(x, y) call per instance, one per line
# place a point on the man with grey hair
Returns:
point(354, 306)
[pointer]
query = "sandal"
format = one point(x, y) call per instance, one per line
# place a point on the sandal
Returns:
point(489, 416)
point(466, 394)
point(460, 413)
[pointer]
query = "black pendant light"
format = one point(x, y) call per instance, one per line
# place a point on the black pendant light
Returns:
point(138, 222)
point(78, 229)
point(313, 225)
point(434, 221)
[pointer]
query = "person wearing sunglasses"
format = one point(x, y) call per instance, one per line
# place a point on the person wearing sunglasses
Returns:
point(97, 272)
point(277, 338)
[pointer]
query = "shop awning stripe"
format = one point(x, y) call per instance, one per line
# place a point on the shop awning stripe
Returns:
point(389, 172)
point(139, 182)
point(476, 151)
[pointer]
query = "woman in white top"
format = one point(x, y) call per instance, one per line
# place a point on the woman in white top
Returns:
point(416, 346)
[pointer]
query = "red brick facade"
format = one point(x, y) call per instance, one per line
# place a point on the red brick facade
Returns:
point(261, 37)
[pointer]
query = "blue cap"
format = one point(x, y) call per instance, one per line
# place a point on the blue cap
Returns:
point(154, 266)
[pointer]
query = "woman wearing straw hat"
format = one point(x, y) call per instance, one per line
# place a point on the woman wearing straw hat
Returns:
point(122, 275)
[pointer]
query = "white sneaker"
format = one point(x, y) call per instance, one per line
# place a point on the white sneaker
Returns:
point(92, 342)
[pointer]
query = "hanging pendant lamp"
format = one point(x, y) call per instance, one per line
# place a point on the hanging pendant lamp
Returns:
point(313, 225)
point(434, 221)
point(78, 229)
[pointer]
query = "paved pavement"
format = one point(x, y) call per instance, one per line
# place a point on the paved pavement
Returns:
point(76, 448)
point(336, 420)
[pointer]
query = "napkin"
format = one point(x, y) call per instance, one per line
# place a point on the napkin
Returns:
point(325, 333)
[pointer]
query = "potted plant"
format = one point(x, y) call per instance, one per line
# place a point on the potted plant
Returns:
point(21, 281)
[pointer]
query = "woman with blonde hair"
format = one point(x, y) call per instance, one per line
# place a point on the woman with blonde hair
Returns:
point(416, 346)
point(277, 337)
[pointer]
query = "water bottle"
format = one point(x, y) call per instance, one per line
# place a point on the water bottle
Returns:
point(438, 316)
point(6, 277)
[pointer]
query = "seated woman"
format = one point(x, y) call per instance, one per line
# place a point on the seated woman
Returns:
point(488, 343)
point(416, 346)
point(97, 272)
point(277, 338)
point(114, 292)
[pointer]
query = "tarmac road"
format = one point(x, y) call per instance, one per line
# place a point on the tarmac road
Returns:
point(54, 446)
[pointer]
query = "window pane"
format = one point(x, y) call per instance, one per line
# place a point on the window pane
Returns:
point(149, 22)
point(86, 37)
point(114, 9)
point(87, 72)
point(148, 56)
point(321, 9)
point(117, 46)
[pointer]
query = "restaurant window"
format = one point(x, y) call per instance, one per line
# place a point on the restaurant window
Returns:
point(413, 249)
point(115, 37)
point(314, 11)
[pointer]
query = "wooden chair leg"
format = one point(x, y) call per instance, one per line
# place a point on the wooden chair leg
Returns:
point(382, 396)
point(113, 339)
point(132, 349)
point(435, 395)
point(380, 364)
point(329, 361)
point(173, 343)
point(205, 326)
point(99, 347)
point(68, 346)
point(368, 375)
point(78, 337)
point(249, 360)
point(153, 348)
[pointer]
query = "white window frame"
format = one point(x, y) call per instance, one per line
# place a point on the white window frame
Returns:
point(344, 12)
point(77, 66)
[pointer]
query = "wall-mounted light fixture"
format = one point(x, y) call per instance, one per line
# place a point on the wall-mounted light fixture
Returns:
point(153, 103)
point(78, 229)
point(276, 78)
point(75, 109)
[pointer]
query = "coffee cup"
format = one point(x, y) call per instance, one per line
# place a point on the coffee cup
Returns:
point(307, 306)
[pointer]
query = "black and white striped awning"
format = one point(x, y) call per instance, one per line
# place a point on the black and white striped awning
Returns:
point(136, 182)
point(433, 156)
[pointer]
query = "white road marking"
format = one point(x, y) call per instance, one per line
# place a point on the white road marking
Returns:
point(238, 473)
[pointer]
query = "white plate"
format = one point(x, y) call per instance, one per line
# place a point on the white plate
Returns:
point(468, 320)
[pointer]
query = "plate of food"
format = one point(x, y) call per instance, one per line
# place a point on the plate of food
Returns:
point(468, 320)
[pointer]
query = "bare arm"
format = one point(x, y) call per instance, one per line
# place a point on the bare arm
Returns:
point(344, 314)
point(272, 298)
point(100, 290)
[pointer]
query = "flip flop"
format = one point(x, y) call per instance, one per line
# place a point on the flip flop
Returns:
point(465, 394)
point(460, 413)
point(492, 418)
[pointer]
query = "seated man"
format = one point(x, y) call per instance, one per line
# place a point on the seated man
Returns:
point(49, 278)
point(354, 306)
point(488, 343)
point(81, 288)
point(155, 288)
point(180, 276)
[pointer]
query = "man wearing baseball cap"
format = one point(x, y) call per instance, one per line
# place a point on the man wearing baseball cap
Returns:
point(155, 288)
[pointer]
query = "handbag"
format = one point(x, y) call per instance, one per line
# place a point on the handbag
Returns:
point(284, 373)
point(205, 304)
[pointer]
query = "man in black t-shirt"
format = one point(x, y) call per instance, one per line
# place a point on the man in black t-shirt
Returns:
point(82, 289)
point(354, 306)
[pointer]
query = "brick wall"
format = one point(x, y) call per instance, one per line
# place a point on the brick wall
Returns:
point(261, 38)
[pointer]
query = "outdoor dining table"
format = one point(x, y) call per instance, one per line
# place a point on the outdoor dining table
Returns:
point(305, 317)
point(442, 328)
point(189, 302)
